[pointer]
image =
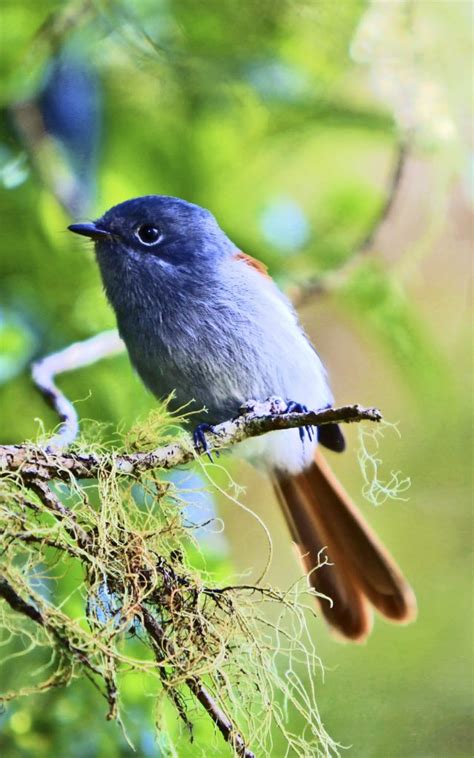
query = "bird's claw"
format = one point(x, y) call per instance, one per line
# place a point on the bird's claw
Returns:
point(200, 441)
point(294, 407)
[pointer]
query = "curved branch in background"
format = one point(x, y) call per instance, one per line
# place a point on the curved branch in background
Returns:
point(45, 154)
point(74, 356)
point(334, 279)
point(394, 182)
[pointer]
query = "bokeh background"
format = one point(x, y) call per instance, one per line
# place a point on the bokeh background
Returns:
point(332, 141)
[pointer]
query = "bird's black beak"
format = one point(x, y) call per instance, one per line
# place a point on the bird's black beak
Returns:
point(89, 230)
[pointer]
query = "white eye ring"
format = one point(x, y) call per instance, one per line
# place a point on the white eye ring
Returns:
point(148, 235)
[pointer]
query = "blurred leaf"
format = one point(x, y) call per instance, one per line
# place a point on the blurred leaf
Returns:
point(382, 305)
point(17, 344)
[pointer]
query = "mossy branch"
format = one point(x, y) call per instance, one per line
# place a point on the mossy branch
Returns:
point(32, 462)
point(48, 461)
point(135, 571)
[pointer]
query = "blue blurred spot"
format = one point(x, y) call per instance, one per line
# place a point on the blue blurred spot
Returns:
point(14, 170)
point(284, 224)
point(104, 606)
point(148, 743)
point(40, 583)
point(278, 80)
point(71, 107)
point(199, 510)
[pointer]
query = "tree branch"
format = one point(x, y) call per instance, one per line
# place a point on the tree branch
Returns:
point(334, 279)
point(223, 723)
point(16, 603)
point(33, 462)
point(59, 511)
point(74, 356)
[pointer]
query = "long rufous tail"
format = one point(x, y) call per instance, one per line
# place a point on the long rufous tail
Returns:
point(321, 515)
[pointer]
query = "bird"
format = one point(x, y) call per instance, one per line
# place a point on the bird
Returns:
point(205, 321)
point(70, 107)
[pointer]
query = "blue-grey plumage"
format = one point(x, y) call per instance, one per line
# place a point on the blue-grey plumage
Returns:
point(198, 320)
point(202, 319)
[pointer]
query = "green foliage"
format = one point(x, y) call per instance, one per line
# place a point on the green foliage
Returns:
point(384, 306)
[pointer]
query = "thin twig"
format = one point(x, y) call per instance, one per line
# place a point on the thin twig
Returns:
point(45, 156)
point(16, 603)
point(42, 541)
point(60, 511)
point(393, 186)
point(334, 279)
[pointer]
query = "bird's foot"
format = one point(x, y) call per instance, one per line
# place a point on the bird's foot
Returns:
point(294, 407)
point(200, 441)
point(276, 406)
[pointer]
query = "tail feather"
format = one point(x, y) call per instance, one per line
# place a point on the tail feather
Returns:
point(343, 604)
point(320, 514)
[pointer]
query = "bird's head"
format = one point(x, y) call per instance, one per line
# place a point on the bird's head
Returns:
point(155, 235)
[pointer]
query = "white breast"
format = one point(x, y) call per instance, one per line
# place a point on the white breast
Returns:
point(296, 370)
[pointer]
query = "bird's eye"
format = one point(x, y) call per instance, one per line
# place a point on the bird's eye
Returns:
point(148, 234)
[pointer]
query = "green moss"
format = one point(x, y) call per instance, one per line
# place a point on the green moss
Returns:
point(140, 558)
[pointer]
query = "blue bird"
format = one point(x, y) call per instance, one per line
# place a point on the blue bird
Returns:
point(202, 318)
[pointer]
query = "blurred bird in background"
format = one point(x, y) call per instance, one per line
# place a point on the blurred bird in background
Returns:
point(61, 128)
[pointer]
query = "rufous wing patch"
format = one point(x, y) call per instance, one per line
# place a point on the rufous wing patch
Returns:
point(253, 262)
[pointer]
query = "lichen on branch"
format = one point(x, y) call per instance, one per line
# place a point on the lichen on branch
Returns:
point(114, 518)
